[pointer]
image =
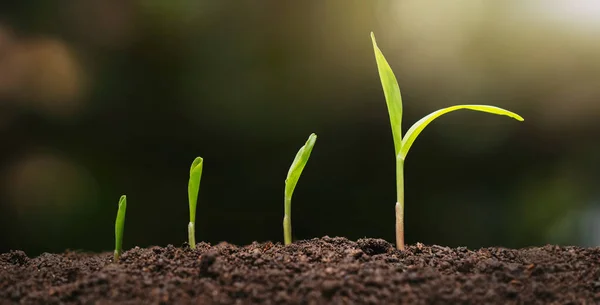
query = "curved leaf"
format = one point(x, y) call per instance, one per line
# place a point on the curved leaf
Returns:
point(298, 165)
point(415, 129)
point(194, 186)
point(393, 99)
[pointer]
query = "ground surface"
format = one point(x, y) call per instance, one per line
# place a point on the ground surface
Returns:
point(318, 271)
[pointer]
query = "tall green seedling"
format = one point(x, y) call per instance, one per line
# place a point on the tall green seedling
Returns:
point(193, 188)
point(402, 144)
point(290, 184)
point(120, 227)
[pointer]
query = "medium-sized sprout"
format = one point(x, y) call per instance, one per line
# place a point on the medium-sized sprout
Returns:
point(290, 184)
point(120, 227)
point(402, 145)
point(193, 188)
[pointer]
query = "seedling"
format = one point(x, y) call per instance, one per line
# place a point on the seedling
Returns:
point(193, 188)
point(402, 145)
point(120, 227)
point(290, 184)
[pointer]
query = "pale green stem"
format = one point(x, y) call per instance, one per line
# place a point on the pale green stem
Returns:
point(400, 203)
point(287, 221)
point(192, 235)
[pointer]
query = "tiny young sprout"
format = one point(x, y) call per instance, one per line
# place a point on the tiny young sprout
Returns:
point(120, 226)
point(193, 188)
point(402, 145)
point(290, 184)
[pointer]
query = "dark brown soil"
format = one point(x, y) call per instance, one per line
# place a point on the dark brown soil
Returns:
point(318, 271)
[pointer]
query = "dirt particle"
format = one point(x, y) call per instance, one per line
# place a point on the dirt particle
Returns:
point(13, 257)
point(206, 261)
point(329, 287)
point(374, 246)
point(353, 253)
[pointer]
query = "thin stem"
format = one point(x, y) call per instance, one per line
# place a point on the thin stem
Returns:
point(399, 203)
point(287, 221)
point(192, 235)
point(118, 246)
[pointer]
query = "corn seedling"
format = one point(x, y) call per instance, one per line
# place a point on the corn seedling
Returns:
point(290, 184)
point(193, 188)
point(120, 227)
point(402, 145)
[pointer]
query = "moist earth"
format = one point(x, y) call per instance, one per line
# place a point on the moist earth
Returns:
point(318, 271)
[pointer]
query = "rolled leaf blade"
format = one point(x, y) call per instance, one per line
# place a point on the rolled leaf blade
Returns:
point(120, 226)
point(416, 129)
point(194, 186)
point(298, 165)
point(391, 90)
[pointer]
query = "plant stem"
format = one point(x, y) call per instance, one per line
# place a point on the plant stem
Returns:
point(192, 235)
point(400, 203)
point(287, 221)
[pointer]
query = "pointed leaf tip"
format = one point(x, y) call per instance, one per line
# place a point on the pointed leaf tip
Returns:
point(298, 164)
point(416, 129)
point(391, 92)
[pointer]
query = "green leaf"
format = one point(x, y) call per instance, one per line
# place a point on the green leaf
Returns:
point(415, 129)
point(298, 165)
point(120, 226)
point(194, 186)
point(391, 91)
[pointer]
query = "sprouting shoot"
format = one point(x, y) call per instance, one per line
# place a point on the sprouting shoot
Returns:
point(402, 144)
point(120, 227)
point(290, 184)
point(193, 188)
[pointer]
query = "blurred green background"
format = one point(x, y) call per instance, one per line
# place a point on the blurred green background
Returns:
point(100, 98)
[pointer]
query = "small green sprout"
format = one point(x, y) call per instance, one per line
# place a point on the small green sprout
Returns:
point(193, 188)
point(290, 184)
point(120, 227)
point(402, 145)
